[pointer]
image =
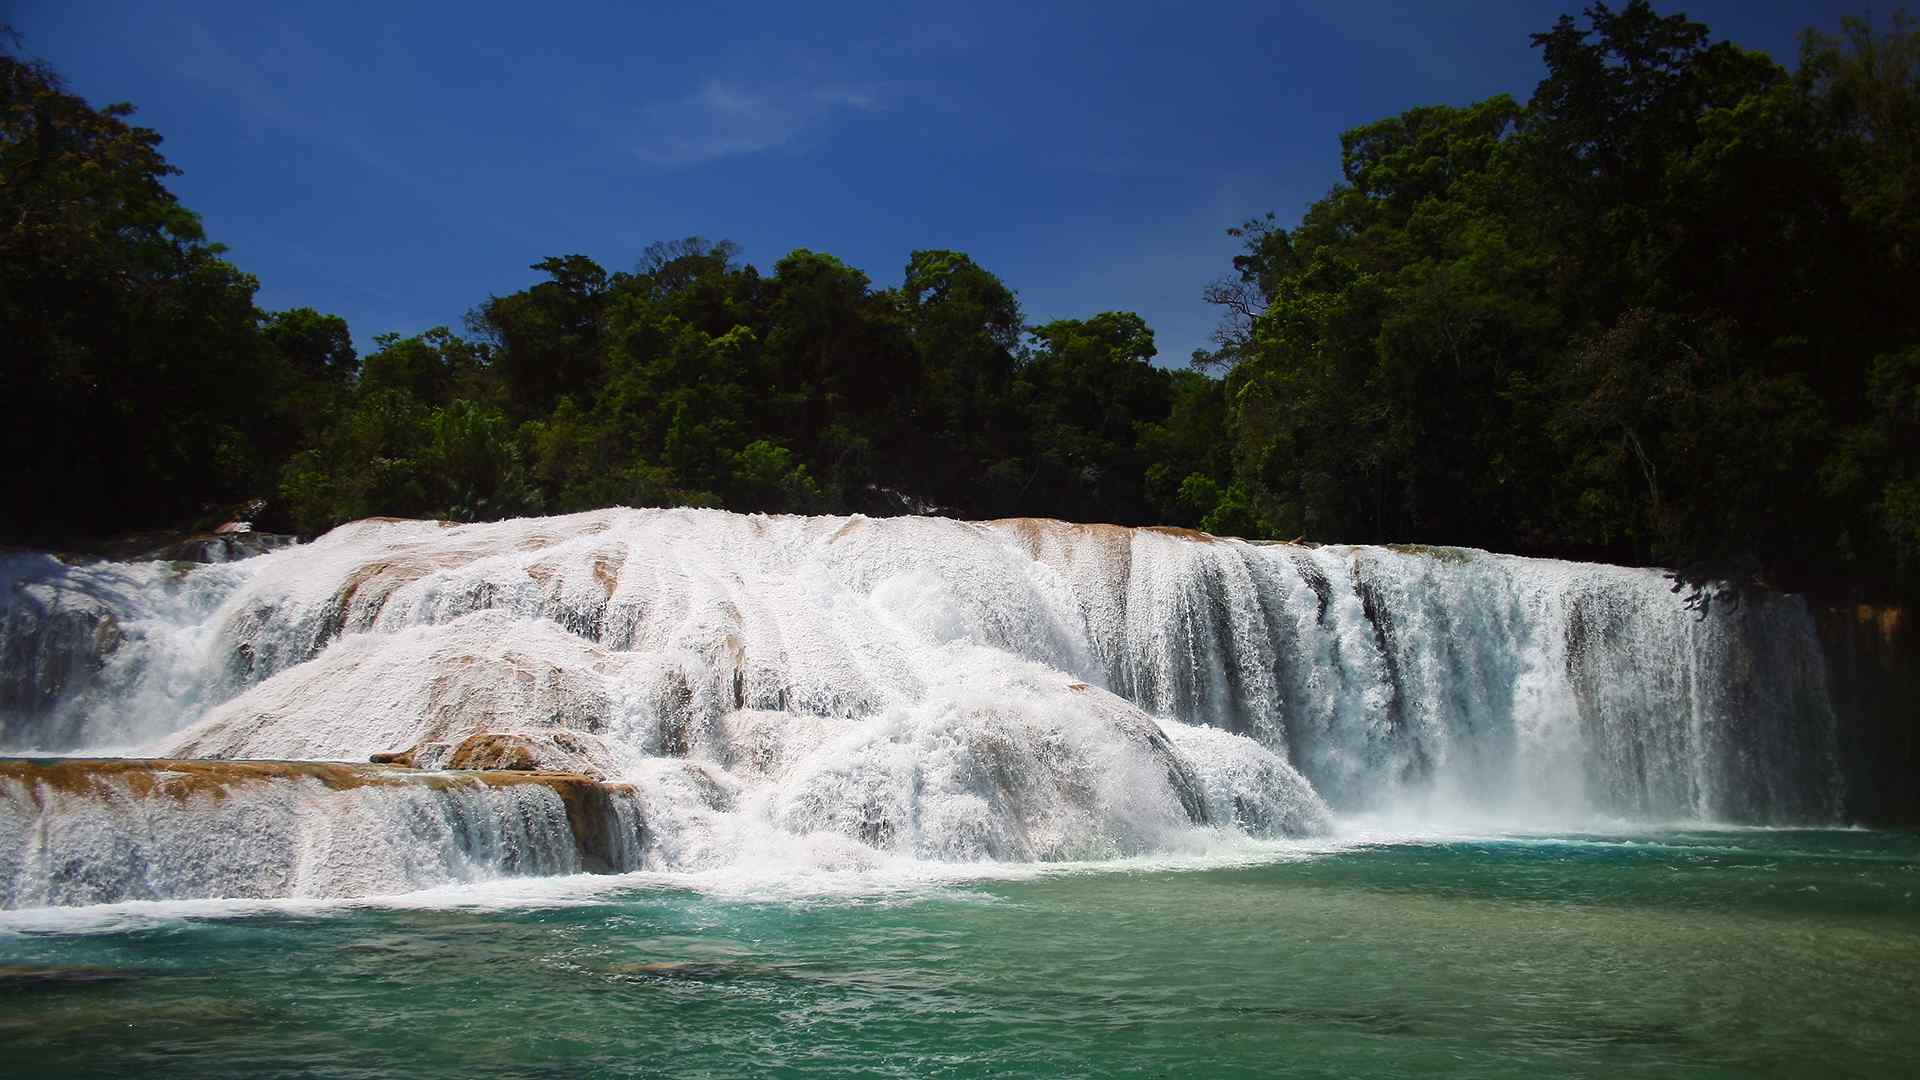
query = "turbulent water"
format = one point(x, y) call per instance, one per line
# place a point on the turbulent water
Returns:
point(844, 694)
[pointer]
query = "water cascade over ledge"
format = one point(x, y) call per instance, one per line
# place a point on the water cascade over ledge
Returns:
point(97, 831)
point(841, 692)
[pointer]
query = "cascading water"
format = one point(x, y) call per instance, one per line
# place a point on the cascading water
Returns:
point(841, 691)
point(93, 832)
point(107, 655)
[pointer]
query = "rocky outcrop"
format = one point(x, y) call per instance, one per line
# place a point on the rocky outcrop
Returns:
point(1873, 678)
point(558, 751)
point(46, 650)
point(218, 547)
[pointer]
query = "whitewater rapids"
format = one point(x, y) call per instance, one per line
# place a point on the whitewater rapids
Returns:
point(846, 691)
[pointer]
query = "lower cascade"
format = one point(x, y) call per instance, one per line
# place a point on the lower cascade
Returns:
point(693, 690)
point(93, 831)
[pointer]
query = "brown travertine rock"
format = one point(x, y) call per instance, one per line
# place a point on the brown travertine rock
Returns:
point(496, 750)
point(547, 750)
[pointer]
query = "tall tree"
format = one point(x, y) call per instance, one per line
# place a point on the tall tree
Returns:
point(547, 338)
point(137, 388)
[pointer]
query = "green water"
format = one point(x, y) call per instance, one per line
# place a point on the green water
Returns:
point(1682, 954)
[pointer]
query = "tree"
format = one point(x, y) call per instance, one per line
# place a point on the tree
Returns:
point(1657, 314)
point(313, 345)
point(1094, 388)
point(1245, 294)
point(965, 325)
point(137, 393)
point(547, 338)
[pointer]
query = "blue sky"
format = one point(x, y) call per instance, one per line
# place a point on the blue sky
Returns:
point(396, 163)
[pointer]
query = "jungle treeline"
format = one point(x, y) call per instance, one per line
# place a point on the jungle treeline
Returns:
point(1666, 311)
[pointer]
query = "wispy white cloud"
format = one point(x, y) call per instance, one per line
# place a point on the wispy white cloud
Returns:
point(724, 119)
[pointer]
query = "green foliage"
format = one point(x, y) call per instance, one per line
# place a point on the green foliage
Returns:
point(472, 454)
point(368, 463)
point(138, 383)
point(313, 346)
point(766, 478)
point(1661, 312)
point(548, 337)
point(696, 382)
point(1229, 512)
point(1090, 389)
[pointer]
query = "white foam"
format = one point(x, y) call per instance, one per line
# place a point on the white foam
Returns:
point(886, 880)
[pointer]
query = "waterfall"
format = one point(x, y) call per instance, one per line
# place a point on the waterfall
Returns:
point(84, 832)
point(105, 654)
point(934, 689)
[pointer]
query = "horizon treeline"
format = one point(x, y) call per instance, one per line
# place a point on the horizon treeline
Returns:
point(1663, 312)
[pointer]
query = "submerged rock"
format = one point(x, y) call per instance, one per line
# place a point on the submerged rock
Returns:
point(38, 979)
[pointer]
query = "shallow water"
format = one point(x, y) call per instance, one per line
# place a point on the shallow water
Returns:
point(1735, 952)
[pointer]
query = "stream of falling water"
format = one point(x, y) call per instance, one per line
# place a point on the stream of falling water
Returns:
point(863, 694)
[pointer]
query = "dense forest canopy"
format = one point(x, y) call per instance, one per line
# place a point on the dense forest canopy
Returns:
point(1661, 312)
point(1664, 311)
